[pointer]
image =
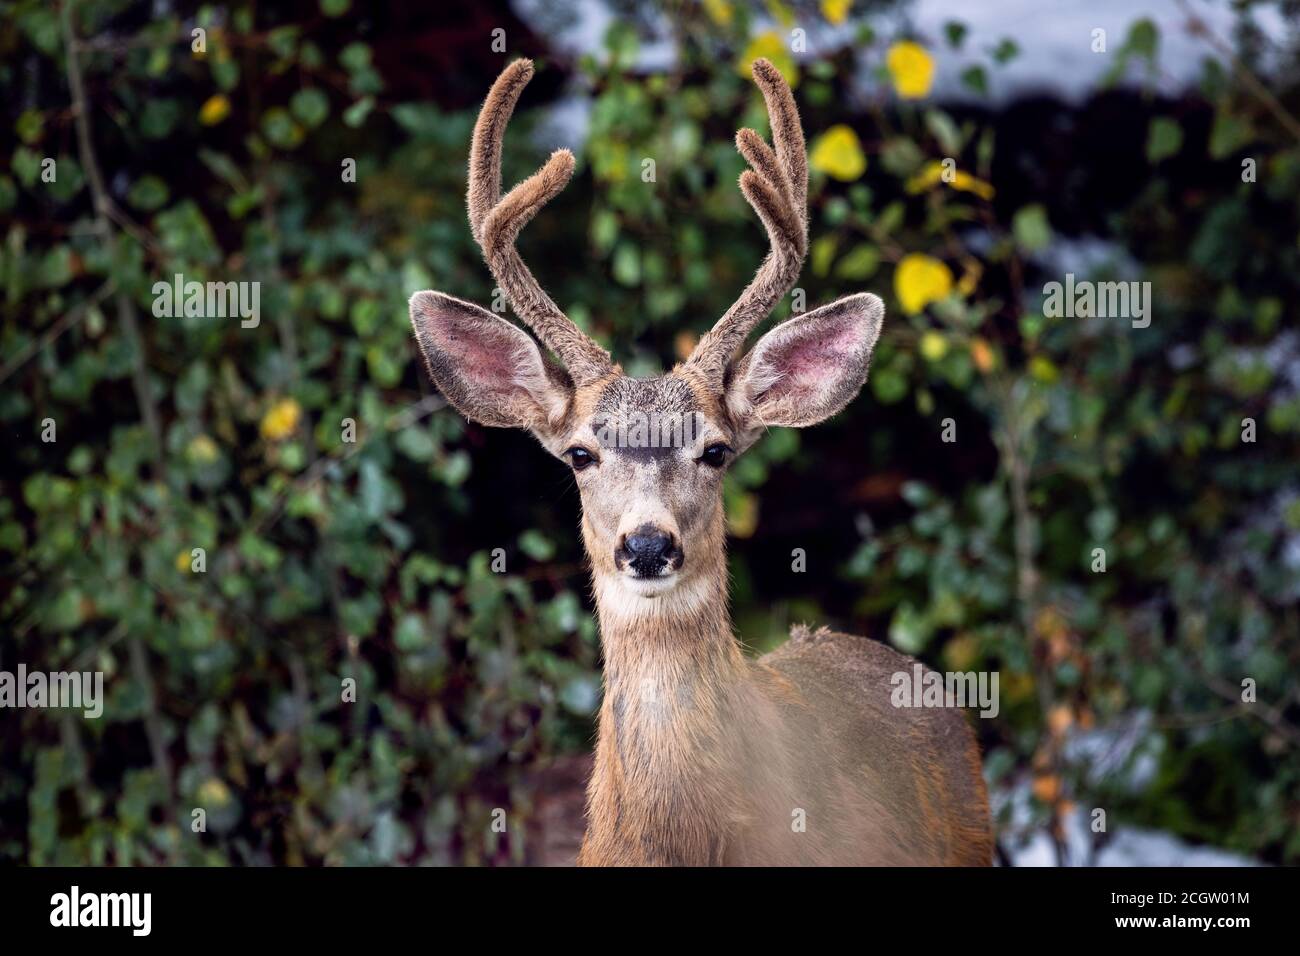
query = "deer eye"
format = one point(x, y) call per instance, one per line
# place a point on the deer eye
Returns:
point(715, 456)
point(580, 458)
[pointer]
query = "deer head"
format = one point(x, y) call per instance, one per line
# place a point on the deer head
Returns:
point(648, 455)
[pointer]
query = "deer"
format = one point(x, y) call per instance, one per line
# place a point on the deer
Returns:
point(705, 756)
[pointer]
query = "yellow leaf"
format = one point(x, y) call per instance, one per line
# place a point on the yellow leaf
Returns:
point(214, 110)
point(202, 450)
point(933, 173)
point(742, 516)
point(281, 419)
point(967, 183)
point(719, 11)
point(911, 68)
point(920, 280)
point(970, 277)
point(1059, 719)
point(684, 343)
point(770, 46)
point(838, 153)
point(781, 13)
point(835, 11)
point(1047, 788)
point(214, 792)
point(1043, 369)
point(933, 346)
point(183, 561)
point(961, 652)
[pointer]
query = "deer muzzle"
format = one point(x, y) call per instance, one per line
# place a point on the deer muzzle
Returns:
point(649, 552)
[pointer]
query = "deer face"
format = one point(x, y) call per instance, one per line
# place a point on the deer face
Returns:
point(648, 460)
point(648, 455)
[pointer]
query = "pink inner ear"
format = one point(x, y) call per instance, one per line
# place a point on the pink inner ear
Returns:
point(811, 355)
point(484, 356)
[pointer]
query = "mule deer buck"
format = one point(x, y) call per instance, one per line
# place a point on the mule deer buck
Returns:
point(705, 756)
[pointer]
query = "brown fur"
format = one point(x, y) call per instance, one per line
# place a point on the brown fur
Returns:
point(704, 756)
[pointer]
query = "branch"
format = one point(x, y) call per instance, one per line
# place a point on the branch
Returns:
point(102, 206)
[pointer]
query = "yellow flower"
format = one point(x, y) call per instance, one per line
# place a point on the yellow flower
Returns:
point(920, 280)
point(214, 110)
point(911, 68)
point(183, 562)
point(932, 174)
point(835, 11)
point(719, 11)
point(982, 354)
point(769, 45)
point(838, 153)
point(281, 419)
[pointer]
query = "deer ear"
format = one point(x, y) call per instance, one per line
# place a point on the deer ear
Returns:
point(807, 368)
point(490, 370)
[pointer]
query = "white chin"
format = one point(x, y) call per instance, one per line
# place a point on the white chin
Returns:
point(650, 587)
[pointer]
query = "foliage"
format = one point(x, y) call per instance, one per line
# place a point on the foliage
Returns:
point(325, 559)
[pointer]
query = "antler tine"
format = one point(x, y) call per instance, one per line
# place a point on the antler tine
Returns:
point(496, 222)
point(777, 188)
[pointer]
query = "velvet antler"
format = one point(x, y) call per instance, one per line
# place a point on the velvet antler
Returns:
point(496, 223)
point(777, 188)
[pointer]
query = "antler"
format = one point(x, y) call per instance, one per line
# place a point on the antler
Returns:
point(496, 223)
point(777, 188)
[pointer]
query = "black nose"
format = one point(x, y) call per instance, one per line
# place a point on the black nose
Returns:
point(649, 546)
point(648, 550)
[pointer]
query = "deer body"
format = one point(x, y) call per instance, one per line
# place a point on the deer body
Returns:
point(705, 757)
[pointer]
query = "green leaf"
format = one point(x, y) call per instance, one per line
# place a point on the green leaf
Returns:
point(536, 545)
point(311, 106)
point(356, 114)
point(860, 263)
point(1164, 139)
point(1230, 132)
point(280, 128)
point(627, 264)
point(1032, 230)
point(975, 79)
point(148, 193)
point(944, 130)
point(355, 57)
point(1006, 50)
point(1143, 39)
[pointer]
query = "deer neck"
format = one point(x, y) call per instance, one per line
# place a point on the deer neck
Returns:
point(677, 724)
point(665, 644)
